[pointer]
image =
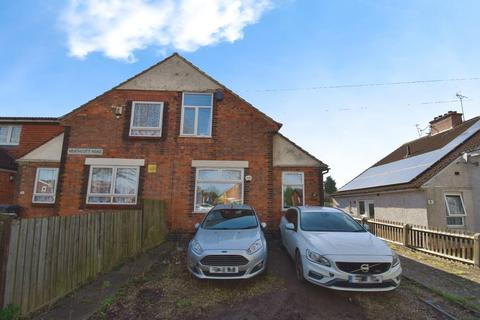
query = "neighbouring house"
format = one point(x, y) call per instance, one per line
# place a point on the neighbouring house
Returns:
point(433, 181)
point(19, 136)
point(170, 133)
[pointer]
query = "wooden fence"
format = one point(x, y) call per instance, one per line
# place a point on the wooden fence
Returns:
point(452, 245)
point(46, 258)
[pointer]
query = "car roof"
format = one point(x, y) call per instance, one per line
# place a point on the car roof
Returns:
point(233, 206)
point(317, 208)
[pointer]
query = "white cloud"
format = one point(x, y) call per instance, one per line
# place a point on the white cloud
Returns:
point(119, 27)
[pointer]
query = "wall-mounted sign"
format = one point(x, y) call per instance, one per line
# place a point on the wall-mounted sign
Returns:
point(152, 168)
point(86, 151)
point(248, 178)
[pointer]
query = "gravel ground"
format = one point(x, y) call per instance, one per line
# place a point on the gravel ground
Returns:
point(168, 291)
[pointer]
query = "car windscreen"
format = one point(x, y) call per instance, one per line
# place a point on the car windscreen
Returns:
point(225, 219)
point(329, 221)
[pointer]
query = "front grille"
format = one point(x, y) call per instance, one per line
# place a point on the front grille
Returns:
point(346, 284)
point(226, 260)
point(356, 267)
point(238, 274)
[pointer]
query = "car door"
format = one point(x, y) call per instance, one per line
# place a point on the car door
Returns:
point(291, 216)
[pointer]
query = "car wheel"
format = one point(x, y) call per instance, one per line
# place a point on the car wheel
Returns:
point(299, 267)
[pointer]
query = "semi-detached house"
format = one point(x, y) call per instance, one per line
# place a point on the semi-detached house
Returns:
point(171, 133)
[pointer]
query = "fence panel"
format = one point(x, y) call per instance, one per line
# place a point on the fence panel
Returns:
point(456, 246)
point(46, 258)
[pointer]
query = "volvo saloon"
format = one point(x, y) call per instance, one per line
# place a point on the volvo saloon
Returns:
point(228, 244)
point(333, 250)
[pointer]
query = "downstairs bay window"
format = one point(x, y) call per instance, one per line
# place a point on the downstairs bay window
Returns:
point(217, 186)
point(117, 185)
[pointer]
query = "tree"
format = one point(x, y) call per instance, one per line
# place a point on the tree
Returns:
point(330, 185)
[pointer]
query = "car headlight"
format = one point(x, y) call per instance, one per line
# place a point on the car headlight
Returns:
point(396, 259)
point(318, 258)
point(254, 247)
point(196, 247)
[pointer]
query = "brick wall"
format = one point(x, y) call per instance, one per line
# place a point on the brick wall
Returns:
point(239, 133)
point(7, 187)
point(313, 184)
point(24, 190)
point(32, 136)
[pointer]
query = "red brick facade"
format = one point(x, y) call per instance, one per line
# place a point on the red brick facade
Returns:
point(239, 133)
point(7, 186)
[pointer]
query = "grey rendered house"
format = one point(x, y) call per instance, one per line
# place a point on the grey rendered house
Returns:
point(433, 181)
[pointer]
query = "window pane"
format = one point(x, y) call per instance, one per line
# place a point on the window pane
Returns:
point(44, 199)
point(126, 181)
point(146, 115)
point(101, 180)
point(15, 137)
point(232, 175)
point(210, 194)
point(292, 178)
point(455, 204)
point(361, 207)
point(209, 175)
point(455, 221)
point(46, 181)
point(197, 100)
point(3, 134)
point(292, 196)
point(188, 121)
point(99, 199)
point(124, 200)
point(204, 115)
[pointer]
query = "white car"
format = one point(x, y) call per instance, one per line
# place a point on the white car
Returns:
point(333, 250)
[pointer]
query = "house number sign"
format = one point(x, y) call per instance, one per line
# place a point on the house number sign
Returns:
point(86, 151)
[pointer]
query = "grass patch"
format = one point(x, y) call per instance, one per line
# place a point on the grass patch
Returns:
point(169, 291)
point(11, 312)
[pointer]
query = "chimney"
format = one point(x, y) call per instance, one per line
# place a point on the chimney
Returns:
point(445, 122)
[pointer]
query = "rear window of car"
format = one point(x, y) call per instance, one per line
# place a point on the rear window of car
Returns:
point(226, 219)
point(332, 221)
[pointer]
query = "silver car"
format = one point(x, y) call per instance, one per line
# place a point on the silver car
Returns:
point(229, 244)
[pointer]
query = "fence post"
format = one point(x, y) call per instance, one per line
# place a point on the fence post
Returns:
point(406, 235)
point(5, 224)
point(476, 249)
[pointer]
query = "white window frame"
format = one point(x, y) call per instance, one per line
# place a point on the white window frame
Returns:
point(9, 135)
point(195, 122)
point(455, 215)
point(111, 194)
point(303, 186)
point(242, 172)
point(160, 125)
point(35, 193)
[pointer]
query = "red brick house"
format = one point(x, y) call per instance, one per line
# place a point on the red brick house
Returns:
point(18, 137)
point(174, 134)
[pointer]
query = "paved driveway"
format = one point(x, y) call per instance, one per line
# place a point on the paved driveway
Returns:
point(170, 292)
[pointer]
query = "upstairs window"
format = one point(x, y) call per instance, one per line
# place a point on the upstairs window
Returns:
point(292, 189)
point(455, 210)
point(146, 120)
point(45, 185)
point(10, 135)
point(197, 115)
point(113, 185)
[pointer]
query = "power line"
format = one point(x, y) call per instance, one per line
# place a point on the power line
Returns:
point(362, 85)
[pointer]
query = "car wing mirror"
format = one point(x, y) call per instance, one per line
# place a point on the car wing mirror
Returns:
point(263, 225)
point(197, 225)
point(290, 226)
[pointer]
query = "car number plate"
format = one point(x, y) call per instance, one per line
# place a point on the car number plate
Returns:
point(223, 269)
point(364, 279)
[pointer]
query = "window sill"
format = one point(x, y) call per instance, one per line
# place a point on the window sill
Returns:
point(193, 136)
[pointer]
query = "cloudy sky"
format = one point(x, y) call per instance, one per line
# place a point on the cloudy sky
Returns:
point(349, 80)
